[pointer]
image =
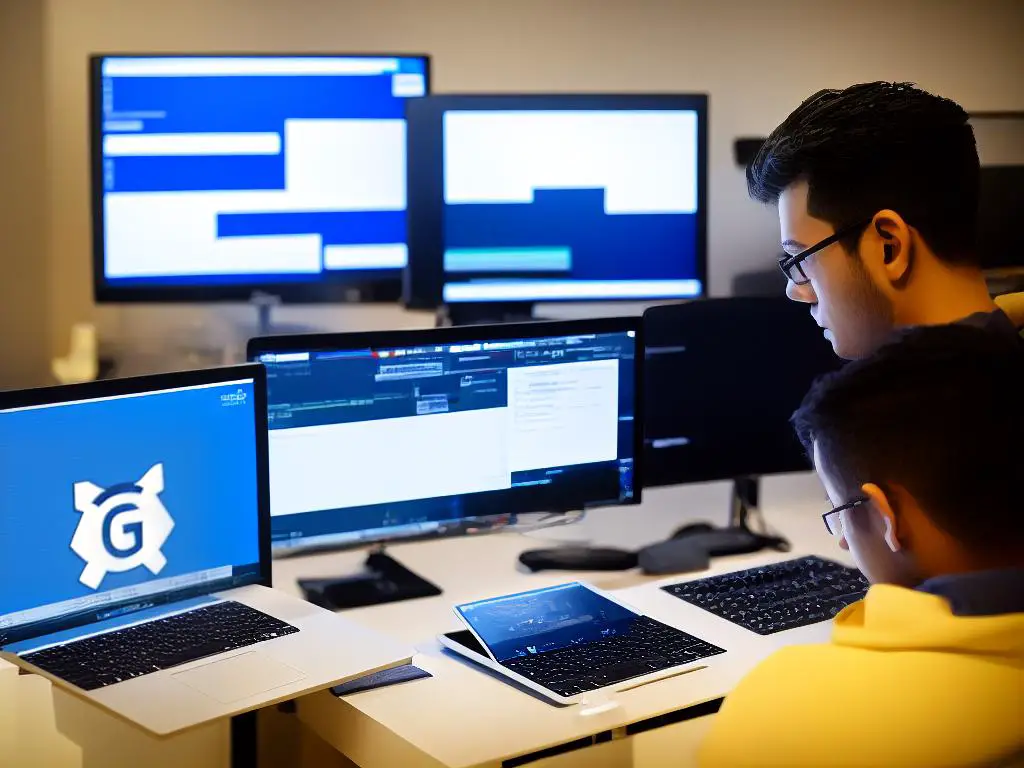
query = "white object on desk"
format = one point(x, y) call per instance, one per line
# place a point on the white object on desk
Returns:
point(82, 361)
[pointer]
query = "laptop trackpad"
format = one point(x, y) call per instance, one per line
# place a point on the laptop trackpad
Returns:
point(239, 677)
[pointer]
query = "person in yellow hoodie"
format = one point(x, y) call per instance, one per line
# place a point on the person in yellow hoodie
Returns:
point(877, 193)
point(920, 450)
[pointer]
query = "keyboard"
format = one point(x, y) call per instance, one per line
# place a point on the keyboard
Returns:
point(101, 660)
point(649, 646)
point(776, 597)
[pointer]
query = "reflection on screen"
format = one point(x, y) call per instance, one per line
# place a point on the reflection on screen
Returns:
point(545, 620)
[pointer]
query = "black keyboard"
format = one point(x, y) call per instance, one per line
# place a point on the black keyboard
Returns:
point(776, 597)
point(649, 646)
point(95, 662)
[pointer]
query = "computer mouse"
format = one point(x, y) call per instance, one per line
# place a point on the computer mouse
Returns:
point(575, 558)
point(673, 556)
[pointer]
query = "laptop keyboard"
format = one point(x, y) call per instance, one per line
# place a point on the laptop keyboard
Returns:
point(649, 646)
point(776, 597)
point(112, 657)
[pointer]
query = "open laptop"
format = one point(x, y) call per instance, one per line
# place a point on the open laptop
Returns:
point(135, 552)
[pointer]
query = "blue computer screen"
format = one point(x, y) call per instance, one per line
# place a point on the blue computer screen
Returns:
point(545, 620)
point(576, 204)
point(219, 170)
point(125, 501)
point(374, 443)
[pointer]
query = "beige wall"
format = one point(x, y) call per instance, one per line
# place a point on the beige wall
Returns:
point(756, 59)
point(24, 310)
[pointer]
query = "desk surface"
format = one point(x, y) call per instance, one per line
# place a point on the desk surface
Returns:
point(463, 716)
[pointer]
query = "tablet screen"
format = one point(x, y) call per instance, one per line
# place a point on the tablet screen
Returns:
point(545, 620)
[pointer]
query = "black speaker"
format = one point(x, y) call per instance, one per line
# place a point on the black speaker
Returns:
point(746, 150)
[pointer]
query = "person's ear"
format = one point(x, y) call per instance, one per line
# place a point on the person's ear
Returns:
point(892, 242)
point(881, 503)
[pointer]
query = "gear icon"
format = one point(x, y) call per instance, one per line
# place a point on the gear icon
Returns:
point(122, 527)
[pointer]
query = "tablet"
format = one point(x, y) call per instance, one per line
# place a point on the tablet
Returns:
point(572, 640)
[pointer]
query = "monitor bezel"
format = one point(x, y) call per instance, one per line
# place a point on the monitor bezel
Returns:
point(323, 290)
point(423, 279)
point(67, 393)
point(452, 335)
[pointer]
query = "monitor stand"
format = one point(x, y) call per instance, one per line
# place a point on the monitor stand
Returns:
point(264, 304)
point(383, 580)
point(484, 314)
point(737, 538)
point(689, 549)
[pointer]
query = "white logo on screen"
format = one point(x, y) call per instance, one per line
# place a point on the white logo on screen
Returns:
point(122, 527)
point(234, 398)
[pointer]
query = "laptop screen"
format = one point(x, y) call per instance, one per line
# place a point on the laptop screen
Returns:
point(117, 504)
point(545, 620)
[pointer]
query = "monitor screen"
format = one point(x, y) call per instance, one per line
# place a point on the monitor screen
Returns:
point(544, 620)
point(116, 504)
point(218, 176)
point(722, 378)
point(567, 198)
point(1000, 140)
point(383, 435)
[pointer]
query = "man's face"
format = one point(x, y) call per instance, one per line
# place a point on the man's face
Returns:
point(843, 299)
point(863, 532)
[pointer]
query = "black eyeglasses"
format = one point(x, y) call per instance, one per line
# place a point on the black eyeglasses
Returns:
point(831, 518)
point(790, 265)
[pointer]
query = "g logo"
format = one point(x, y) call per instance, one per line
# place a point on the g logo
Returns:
point(131, 530)
point(122, 527)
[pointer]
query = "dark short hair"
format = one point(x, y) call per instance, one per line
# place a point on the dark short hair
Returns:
point(874, 146)
point(938, 411)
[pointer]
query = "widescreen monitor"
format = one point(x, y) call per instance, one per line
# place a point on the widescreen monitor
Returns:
point(722, 379)
point(233, 177)
point(1000, 140)
point(525, 199)
point(385, 435)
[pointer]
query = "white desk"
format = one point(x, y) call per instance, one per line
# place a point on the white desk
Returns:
point(462, 717)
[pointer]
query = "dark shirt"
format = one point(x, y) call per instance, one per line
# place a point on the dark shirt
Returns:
point(998, 322)
point(982, 593)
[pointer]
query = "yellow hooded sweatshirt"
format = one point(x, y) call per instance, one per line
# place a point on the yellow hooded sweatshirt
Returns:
point(904, 682)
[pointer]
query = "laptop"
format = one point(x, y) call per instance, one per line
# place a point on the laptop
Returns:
point(135, 553)
point(572, 641)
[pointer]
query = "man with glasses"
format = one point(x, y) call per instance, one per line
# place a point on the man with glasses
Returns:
point(920, 448)
point(877, 191)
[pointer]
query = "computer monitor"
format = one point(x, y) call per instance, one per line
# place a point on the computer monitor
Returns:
point(523, 199)
point(723, 376)
point(1000, 139)
point(376, 437)
point(234, 177)
point(122, 495)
